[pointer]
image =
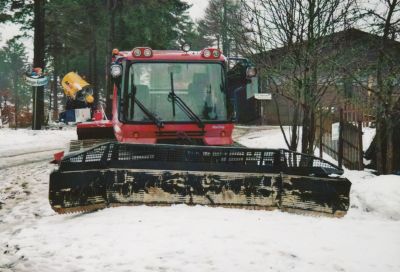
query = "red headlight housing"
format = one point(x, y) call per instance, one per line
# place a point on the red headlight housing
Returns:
point(211, 53)
point(142, 52)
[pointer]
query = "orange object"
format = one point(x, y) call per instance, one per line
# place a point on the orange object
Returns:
point(89, 99)
point(115, 51)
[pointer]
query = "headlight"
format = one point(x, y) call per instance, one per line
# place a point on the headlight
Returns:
point(216, 54)
point(137, 52)
point(147, 52)
point(116, 70)
point(207, 53)
point(251, 72)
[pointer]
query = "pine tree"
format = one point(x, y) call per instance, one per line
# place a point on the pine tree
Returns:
point(14, 62)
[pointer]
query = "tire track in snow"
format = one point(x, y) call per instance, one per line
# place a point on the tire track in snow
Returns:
point(16, 154)
point(26, 158)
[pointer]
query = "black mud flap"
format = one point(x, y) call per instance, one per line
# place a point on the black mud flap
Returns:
point(125, 174)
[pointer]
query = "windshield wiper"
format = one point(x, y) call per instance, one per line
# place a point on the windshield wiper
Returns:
point(149, 114)
point(146, 111)
point(182, 105)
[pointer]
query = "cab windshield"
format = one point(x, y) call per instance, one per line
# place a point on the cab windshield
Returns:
point(158, 86)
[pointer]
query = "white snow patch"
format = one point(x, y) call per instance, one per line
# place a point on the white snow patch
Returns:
point(22, 141)
point(368, 136)
point(377, 195)
point(268, 137)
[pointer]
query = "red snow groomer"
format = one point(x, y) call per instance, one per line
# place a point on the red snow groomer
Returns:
point(173, 118)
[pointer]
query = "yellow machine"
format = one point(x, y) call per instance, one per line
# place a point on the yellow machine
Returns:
point(76, 88)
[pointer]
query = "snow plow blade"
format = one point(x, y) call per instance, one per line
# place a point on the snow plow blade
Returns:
point(114, 174)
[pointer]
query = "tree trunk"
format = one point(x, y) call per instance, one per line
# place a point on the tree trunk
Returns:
point(16, 102)
point(305, 130)
point(379, 144)
point(294, 137)
point(384, 152)
point(94, 76)
point(38, 61)
point(311, 136)
point(55, 93)
point(389, 147)
point(112, 5)
point(225, 42)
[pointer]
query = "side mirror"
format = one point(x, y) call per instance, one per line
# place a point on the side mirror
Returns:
point(251, 72)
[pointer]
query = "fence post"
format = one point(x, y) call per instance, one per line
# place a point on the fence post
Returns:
point(360, 146)
point(340, 153)
point(320, 135)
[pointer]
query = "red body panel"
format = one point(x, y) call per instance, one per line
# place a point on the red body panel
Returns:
point(95, 124)
point(148, 133)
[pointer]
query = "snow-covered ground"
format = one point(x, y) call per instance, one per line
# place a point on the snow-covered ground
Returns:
point(23, 146)
point(182, 238)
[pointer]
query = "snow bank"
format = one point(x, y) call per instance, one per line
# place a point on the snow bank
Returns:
point(370, 194)
point(378, 195)
point(22, 146)
point(268, 137)
point(22, 141)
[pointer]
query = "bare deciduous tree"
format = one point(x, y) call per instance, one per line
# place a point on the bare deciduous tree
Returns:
point(386, 24)
point(300, 69)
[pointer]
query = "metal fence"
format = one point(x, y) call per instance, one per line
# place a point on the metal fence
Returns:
point(340, 136)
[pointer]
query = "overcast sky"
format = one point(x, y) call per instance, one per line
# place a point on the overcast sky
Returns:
point(197, 10)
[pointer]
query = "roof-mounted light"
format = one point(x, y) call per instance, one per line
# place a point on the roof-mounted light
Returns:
point(186, 47)
point(116, 70)
point(251, 72)
point(211, 53)
point(147, 52)
point(207, 53)
point(136, 52)
point(142, 52)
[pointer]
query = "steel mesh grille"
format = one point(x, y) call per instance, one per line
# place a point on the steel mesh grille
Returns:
point(295, 160)
point(274, 159)
point(95, 154)
point(78, 158)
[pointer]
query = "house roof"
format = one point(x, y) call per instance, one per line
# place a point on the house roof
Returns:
point(342, 40)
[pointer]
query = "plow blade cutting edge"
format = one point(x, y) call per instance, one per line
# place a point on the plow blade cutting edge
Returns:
point(115, 174)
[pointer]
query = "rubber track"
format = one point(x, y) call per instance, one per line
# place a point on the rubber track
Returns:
point(80, 209)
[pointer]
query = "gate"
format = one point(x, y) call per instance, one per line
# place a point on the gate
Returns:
point(340, 136)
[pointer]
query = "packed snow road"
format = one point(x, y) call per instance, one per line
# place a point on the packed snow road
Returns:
point(182, 238)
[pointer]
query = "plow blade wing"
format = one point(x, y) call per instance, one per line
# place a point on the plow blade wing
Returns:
point(115, 174)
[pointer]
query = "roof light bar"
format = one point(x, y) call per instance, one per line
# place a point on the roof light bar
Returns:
point(142, 52)
point(211, 53)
